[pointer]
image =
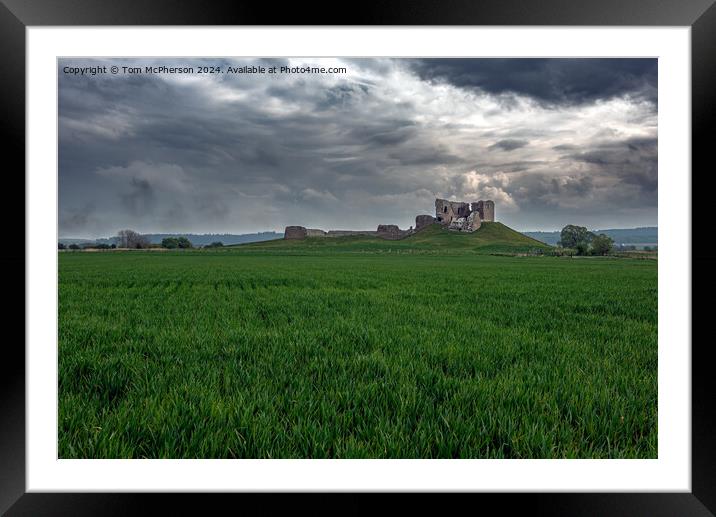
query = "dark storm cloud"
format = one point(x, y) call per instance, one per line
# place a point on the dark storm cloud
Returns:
point(340, 96)
point(78, 219)
point(565, 147)
point(634, 161)
point(383, 132)
point(573, 186)
point(549, 81)
point(140, 198)
point(244, 153)
point(509, 166)
point(544, 188)
point(435, 155)
point(508, 144)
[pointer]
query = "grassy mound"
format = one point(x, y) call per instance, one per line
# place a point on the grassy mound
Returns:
point(490, 238)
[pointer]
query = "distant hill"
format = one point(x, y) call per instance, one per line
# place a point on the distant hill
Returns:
point(69, 241)
point(490, 238)
point(226, 238)
point(196, 239)
point(647, 236)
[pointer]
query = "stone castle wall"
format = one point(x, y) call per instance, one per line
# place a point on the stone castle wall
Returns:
point(421, 221)
point(313, 232)
point(295, 232)
point(448, 211)
point(391, 232)
point(300, 232)
point(347, 233)
point(489, 211)
point(479, 207)
point(455, 215)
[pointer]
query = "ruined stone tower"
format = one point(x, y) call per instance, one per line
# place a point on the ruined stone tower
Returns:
point(448, 211)
point(488, 211)
point(479, 207)
point(421, 221)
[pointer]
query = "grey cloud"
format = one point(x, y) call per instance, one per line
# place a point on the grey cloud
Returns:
point(140, 198)
point(250, 153)
point(342, 96)
point(385, 132)
point(77, 218)
point(508, 144)
point(428, 155)
point(634, 161)
point(548, 81)
point(573, 186)
point(565, 147)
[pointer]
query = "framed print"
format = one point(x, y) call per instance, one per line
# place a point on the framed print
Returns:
point(422, 250)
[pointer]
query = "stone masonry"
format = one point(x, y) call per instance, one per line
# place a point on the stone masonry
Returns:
point(391, 232)
point(447, 211)
point(421, 221)
point(295, 232)
point(454, 215)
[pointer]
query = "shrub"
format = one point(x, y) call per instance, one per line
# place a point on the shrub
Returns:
point(176, 242)
point(582, 248)
point(562, 252)
point(183, 242)
point(602, 245)
point(170, 243)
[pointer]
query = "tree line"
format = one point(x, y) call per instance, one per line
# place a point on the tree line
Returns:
point(577, 240)
point(129, 239)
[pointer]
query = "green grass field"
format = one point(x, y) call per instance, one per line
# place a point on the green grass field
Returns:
point(355, 347)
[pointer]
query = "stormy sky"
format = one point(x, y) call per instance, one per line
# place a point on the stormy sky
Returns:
point(551, 141)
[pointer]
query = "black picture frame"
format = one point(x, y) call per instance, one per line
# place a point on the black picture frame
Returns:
point(700, 15)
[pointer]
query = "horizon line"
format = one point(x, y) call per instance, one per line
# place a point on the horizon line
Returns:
point(282, 231)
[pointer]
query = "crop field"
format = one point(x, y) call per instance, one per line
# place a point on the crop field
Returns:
point(289, 352)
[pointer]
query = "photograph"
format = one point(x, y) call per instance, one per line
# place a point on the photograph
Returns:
point(357, 257)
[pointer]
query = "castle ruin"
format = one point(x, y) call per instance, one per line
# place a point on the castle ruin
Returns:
point(461, 216)
point(454, 215)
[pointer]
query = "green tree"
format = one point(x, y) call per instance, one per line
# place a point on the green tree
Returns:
point(582, 248)
point(170, 243)
point(184, 242)
point(572, 235)
point(176, 242)
point(577, 237)
point(602, 244)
